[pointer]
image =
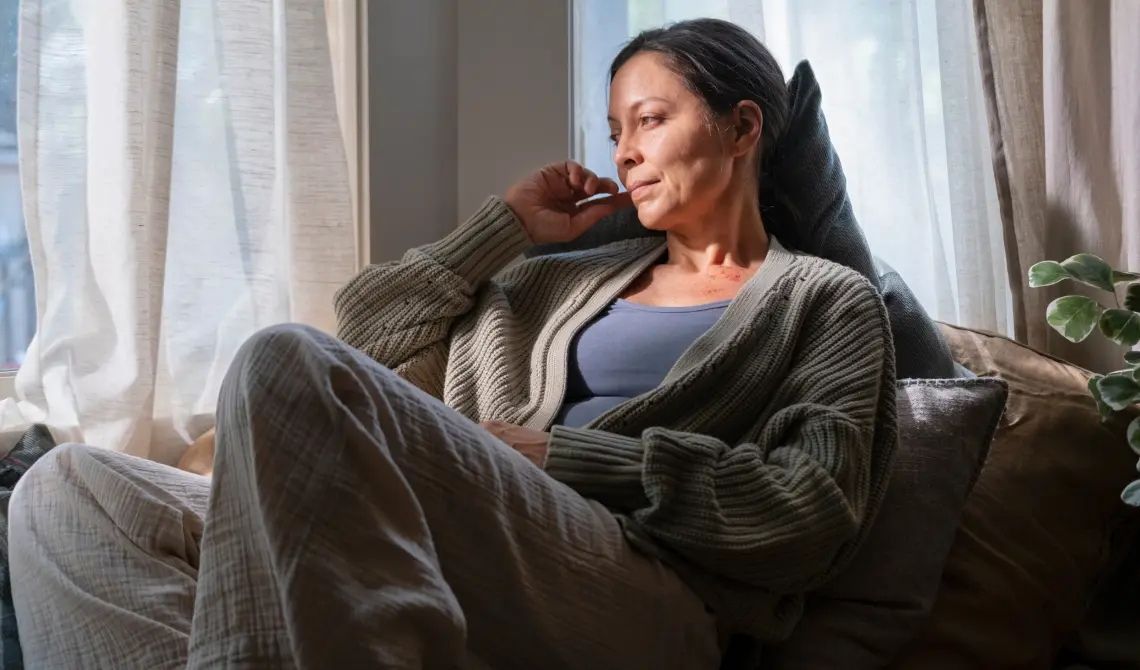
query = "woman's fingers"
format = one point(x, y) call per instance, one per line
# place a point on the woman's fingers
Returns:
point(589, 213)
point(591, 185)
point(586, 183)
point(575, 176)
point(556, 180)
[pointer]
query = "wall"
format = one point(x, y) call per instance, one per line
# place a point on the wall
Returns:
point(514, 93)
point(412, 129)
point(465, 97)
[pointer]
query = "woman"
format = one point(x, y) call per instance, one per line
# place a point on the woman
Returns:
point(678, 438)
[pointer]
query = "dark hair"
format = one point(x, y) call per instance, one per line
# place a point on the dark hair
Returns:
point(724, 64)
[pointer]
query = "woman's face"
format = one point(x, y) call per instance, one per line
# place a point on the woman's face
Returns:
point(670, 154)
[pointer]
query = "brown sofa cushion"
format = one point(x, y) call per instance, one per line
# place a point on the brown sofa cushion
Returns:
point(861, 619)
point(1035, 533)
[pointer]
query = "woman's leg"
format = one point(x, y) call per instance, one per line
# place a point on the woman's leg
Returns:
point(104, 560)
point(356, 522)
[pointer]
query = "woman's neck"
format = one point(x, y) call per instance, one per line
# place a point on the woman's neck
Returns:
point(725, 239)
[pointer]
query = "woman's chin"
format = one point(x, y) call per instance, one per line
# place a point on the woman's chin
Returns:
point(649, 217)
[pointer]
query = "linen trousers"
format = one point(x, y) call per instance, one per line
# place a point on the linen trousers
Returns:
point(352, 521)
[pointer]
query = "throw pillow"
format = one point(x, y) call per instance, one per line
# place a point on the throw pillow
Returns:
point(920, 350)
point(869, 612)
point(1038, 530)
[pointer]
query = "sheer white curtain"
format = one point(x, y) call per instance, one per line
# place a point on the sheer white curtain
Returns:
point(904, 104)
point(185, 185)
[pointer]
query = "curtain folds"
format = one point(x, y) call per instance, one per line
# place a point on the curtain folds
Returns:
point(1064, 110)
point(185, 185)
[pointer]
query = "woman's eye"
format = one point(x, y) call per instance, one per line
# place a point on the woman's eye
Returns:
point(648, 120)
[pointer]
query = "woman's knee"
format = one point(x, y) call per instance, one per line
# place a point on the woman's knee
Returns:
point(275, 356)
point(279, 343)
point(289, 362)
point(288, 379)
point(42, 489)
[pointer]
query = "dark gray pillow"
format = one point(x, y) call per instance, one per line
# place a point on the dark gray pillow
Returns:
point(920, 350)
point(808, 171)
point(864, 617)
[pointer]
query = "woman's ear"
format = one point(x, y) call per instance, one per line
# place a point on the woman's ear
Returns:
point(748, 122)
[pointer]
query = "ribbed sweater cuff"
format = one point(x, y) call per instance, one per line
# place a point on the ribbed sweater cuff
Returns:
point(598, 465)
point(484, 244)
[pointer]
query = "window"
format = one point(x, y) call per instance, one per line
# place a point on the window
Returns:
point(17, 296)
point(189, 189)
point(904, 104)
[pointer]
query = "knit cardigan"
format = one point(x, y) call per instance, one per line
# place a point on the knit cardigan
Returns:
point(754, 470)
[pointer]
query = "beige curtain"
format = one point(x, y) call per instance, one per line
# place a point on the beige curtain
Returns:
point(1092, 140)
point(185, 185)
point(1064, 112)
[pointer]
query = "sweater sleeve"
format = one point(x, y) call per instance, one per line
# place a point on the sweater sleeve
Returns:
point(400, 313)
point(782, 512)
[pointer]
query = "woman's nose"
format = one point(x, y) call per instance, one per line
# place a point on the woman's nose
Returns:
point(626, 155)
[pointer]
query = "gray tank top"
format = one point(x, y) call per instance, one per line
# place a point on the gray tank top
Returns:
point(625, 351)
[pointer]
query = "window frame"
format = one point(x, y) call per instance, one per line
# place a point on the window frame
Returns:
point(8, 377)
point(348, 47)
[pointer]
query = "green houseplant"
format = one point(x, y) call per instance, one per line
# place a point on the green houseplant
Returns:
point(1075, 317)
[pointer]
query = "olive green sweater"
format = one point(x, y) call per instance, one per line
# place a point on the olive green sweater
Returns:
point(757, 466)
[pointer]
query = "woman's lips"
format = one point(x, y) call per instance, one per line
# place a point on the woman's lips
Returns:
point(639, 188)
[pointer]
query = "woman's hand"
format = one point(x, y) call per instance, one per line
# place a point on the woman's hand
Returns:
point(547, 202)
point(528, 442)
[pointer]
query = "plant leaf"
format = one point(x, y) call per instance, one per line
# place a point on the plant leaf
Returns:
point(1073, 316)
point(1122, 326)
point(1134, 435)
point(1132, 358)
point(1091, 270)
point(1132, 297)
point(1094, 390)
point(1131, 494)
point(1120, 276)
point(1047, 273)
point(1118, 391)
